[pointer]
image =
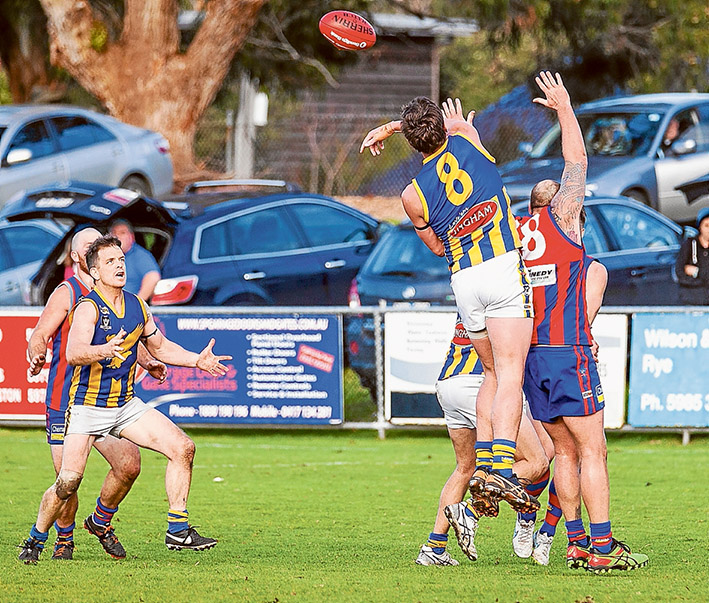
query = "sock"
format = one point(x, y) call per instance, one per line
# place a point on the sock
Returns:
point(576, 532)
point(469, 510)
point(437, 542)
point(535, 490)
point(177, 521)
point(503, 456)
point(602, 537)
point(553, 512)
point(64, 534)
point(103, 514)
point(483, 455)
point(40, 537)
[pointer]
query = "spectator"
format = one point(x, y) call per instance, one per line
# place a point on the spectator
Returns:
point(692, 266)
point(671, 134)
point(142, 271)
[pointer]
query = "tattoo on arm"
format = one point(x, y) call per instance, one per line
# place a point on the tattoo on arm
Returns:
point(568, 201)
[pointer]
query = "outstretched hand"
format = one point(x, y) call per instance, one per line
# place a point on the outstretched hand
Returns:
point(374, 140)
point(157, 370)
point(556, 94)
point(210, 363)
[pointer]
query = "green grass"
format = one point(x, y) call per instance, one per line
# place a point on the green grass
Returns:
point(339, 516)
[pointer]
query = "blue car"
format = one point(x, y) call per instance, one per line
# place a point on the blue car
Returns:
point(219, 248)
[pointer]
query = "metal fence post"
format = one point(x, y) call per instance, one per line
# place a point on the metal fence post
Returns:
point(379, 360)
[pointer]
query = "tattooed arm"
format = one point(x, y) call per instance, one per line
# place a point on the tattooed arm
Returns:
point(568, 201)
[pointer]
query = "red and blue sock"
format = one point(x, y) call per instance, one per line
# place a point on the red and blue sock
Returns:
point(602, 537)
point(64, 534)
point(535, 490)
point(177, 521)
point(503, 456)
point(577, 533)
point(483, 455)
point(103, 514)
point(553, 512)
point(437, 542)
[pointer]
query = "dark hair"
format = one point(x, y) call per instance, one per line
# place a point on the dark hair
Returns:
point(582, 217)
point(121, 222)
point(100, 243)
point(422, 125)
point(542, 193)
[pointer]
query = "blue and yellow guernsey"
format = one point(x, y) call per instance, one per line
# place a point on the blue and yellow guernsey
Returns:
point(466, 204)
point(109, 383)
point(462, 359)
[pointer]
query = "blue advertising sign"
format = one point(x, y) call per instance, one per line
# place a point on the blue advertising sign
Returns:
point(285, 369)
point(669, 379)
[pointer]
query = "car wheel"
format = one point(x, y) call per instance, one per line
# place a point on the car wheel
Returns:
point(637, 195)
point(138, 184)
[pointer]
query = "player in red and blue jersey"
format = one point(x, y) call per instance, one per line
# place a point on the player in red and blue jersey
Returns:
point(561, 379)
point(460, 210)
point(122, 456)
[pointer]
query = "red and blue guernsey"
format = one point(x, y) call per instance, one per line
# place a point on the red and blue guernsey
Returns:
point(557, 269)
point(59, 371)
point(109, 383)
point(462, 359)
point(465, 203)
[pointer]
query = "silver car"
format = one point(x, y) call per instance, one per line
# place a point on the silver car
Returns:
point(645, 147)
point(46, 144)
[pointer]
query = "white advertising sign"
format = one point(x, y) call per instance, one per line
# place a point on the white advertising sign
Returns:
point(611, 333)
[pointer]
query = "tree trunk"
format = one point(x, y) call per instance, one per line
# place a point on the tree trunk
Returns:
point(142, 78)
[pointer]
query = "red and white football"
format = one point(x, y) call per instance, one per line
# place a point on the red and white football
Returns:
point(347, 30)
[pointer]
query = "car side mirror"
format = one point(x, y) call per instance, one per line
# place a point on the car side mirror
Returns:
point(684, 147)
point(18, 156)
point(689, 232)
point(525, 148)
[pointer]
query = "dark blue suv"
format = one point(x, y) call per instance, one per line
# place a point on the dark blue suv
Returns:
point(219, 248)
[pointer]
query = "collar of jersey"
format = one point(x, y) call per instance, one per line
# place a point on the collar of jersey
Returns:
point(120, 314)
point(437, 152)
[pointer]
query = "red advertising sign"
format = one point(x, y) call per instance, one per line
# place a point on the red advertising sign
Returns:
point(21, 395)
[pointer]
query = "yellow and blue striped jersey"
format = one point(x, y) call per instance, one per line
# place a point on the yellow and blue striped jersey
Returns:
point(466, 204)
point(109, 383)
point(462, 359)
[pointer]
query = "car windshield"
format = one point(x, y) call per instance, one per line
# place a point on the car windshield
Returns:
point(607, 134)
point(402, 253)
point(2, 131)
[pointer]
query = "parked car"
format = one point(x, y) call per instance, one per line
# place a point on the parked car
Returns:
point(637, 245)
point(221, 248)
point(46, 144)
point(644, 147)
point(23, 247)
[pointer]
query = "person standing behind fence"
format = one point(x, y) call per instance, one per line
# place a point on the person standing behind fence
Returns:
point(692, 266)
point(142, 271)
point(460, 210)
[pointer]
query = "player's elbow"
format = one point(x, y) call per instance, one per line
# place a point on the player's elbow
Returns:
point(72, 358)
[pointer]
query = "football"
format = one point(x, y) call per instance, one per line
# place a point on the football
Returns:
point(347, 30)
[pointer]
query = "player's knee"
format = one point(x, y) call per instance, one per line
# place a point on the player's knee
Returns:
point(188, 450)
point(67, 484)
point(130, 470)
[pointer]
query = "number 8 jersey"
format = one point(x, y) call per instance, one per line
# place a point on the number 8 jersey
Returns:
point(465, 203)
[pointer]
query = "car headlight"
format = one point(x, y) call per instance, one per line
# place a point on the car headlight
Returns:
point(591, 189)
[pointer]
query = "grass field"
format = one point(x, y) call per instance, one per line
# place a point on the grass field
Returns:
point(339, 516)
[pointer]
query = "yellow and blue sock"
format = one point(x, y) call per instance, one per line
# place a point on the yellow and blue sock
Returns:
point(602, 537)
point(177, 521)
point(535, 490)
point(503, 456)
point(103, 514)
point(64, 534)
point(437, 542)
point(483, 455)
point(39, 537)
point(553, 512)
point(576, 533)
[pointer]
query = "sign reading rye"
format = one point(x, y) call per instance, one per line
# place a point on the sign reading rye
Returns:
point(476, 217)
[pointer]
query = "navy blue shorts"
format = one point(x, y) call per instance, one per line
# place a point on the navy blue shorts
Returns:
point(562, 382)
point(55, 427)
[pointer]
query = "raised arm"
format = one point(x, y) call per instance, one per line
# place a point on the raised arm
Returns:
point(566, 204)
point(457, 124)
point(52, 316)
point(374, 140)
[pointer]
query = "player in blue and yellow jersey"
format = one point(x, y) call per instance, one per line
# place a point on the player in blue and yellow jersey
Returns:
point(122, 455)
point(106, 328)
point(460, 210)
point(561, 380)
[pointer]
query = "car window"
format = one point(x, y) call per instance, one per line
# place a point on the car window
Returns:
point(402, 253)
point(326, 225)
point(593, 239)
point(4, 256)
point(635, 229)
point(35, 137)
point(22, 242)
point(694, 125)
point(265, 231)
point(75, 131)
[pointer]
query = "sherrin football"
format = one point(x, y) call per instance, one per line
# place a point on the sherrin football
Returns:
point(347, 30)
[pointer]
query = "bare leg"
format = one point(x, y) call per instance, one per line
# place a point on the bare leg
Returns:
point(486, 393)
point(566, 469)
point(124, 458)
point(531, 461)
point(156, 432)
point(453, 491)
point(71, 504)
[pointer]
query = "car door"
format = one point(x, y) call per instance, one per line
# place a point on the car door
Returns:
point(258, 256)
point(641, 256)
point(341, 242)
point(673, 170)
point(44, 167)
point(91, 151)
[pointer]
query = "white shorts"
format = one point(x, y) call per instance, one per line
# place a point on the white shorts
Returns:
point(458, 398)
point(98, 421)
point(496, 288)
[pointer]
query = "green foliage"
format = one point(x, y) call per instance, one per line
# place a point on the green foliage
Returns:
point(339, 516)
point(98, 36)
point(5, 96)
